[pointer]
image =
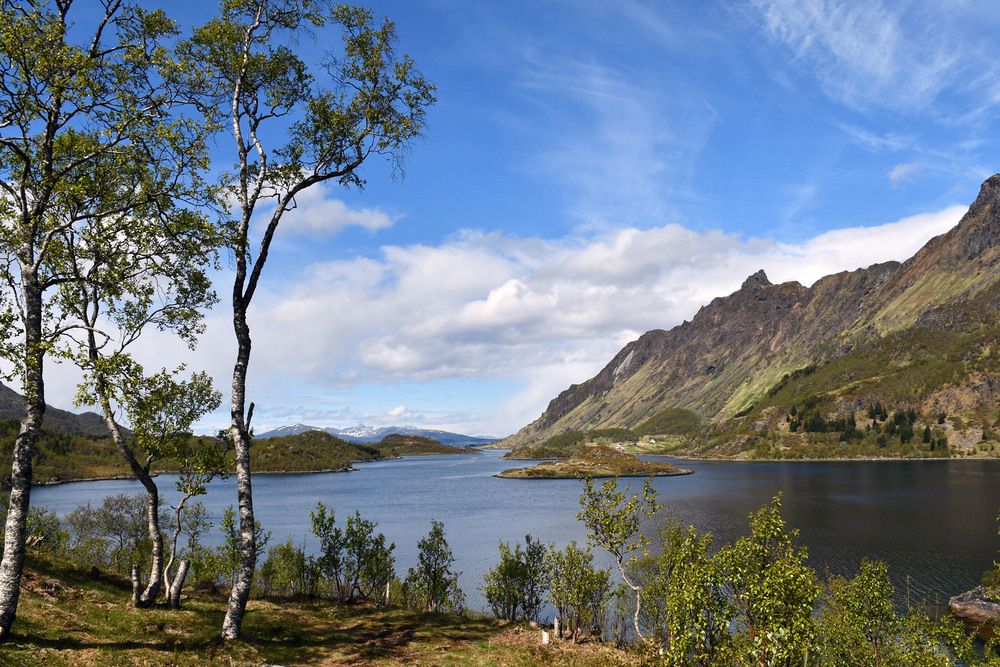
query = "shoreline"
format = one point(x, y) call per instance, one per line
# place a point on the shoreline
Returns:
point(679, 457)
point(349, 468)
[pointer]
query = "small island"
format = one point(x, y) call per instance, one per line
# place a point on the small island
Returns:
point(598, 461)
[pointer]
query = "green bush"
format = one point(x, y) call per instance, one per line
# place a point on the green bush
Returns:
point(432, 583)
point(287, 571)
point(354, 563)
point(579, 592)
point(515, 586)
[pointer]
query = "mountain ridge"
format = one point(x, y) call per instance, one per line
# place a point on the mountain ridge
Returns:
point(367, 434)
point(723, 361)
point(90, 424)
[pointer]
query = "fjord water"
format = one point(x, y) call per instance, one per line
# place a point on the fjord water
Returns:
point(933, 522)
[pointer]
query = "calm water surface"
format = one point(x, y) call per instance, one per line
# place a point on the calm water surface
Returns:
point(933, 522)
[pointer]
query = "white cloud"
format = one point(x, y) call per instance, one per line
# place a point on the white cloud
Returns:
point(317, 214)
point(481, 308)
point(902, 172)
point(542, 313)
point(899, 55)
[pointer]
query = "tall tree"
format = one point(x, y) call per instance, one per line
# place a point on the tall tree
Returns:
point(294, 126)
point(129, 273)
point(74, 117)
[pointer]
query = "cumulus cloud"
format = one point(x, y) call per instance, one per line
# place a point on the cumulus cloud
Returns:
point(319, 214)
point(535, 314)
point(541, 313)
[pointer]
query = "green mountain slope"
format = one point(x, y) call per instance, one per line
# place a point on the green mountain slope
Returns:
point(869, 334)
point(89, 424)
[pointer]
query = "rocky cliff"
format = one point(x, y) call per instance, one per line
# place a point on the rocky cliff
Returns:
point(725, 360)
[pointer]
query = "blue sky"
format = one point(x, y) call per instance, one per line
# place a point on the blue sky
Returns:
point(594, 169)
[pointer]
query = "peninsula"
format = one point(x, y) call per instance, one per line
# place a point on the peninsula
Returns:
point(598, 461)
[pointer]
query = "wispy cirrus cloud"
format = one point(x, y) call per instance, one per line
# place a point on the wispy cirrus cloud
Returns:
point(879, 54)
point(902, 172)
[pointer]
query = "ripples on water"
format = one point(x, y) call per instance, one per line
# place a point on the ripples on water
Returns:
point(933, 522)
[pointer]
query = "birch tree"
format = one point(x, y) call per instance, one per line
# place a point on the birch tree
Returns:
point(74, 117)
point(162, 413)
point(294, 126)
point(146, 269)
point(614, 521)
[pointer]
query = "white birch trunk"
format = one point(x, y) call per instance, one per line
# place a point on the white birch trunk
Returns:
point(12, 564)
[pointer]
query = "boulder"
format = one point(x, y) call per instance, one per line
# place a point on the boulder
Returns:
point(978, 605)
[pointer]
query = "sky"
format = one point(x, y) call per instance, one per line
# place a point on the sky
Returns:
point(594, 169)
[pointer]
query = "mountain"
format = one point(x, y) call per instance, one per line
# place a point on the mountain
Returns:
point(90, 424)
point(363, 434)
point(860, 335)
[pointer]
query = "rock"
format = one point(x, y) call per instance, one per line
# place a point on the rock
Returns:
point(977, 605)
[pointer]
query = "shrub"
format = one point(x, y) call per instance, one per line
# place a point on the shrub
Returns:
point(579, 592)
point(287, 571)
point(114, 535)
point(514, 587)
point(432, 582)
point(355, 562)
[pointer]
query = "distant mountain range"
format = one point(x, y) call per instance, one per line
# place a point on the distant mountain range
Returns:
point(920, 336)
point(362, 434)
point(89, 424)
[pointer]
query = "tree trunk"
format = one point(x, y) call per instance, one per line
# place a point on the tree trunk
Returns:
point(12, 564)
point(176, 584)
point(136, 577)
point(171, 583)
point(240, 591)
point(148, 595)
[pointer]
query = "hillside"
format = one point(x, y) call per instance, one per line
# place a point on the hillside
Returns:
point(61, 456)
point(397, 444)
point(312, 451)
point(370, 434)
point(917, 336)
point(65, 617)
point(89, 424)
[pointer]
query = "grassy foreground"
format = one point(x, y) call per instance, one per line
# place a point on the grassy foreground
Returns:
point(65, 618)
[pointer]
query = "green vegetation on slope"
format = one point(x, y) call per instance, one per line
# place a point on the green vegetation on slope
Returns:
point(596, 461)
point(312, 451)
point(60, 456)
point(931, 387)
point(396, 444)
point(673, 421)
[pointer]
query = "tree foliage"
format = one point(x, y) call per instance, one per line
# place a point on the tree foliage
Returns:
point(685, 606)
point(355, 562)
point(514, 588)
point(92, 137)
point(614, 521)
point(432, 581)
point(366, 100)
point(579, 591)
point(772, 591)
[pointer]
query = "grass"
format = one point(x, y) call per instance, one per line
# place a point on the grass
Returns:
point(65, 618)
